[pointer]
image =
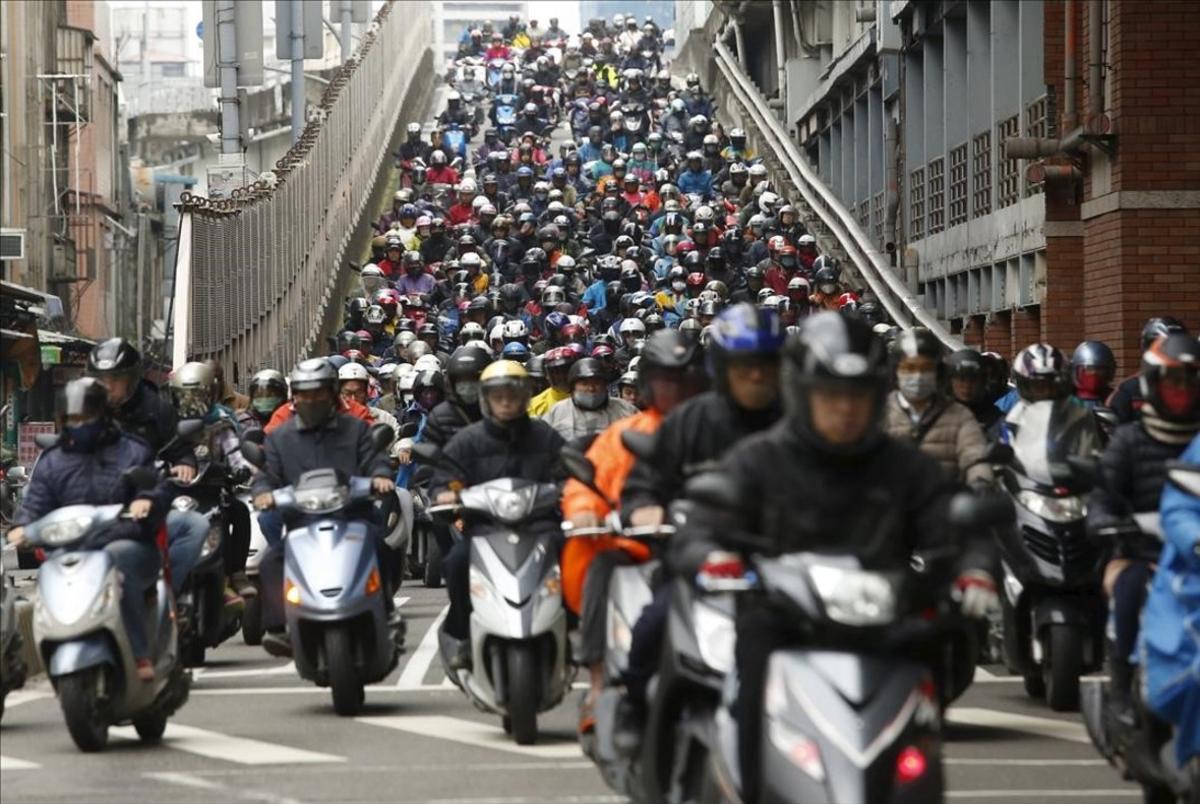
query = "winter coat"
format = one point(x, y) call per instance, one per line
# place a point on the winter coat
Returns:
point(343, 443)
point(947, 432)
point(446, 419)
point(573, 422)
point(148, 415)
point(527, 448)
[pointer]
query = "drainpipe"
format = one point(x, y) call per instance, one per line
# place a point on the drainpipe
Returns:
point(892, 172)
point(780, 53)
point(1070, 114)
point(1095, 94)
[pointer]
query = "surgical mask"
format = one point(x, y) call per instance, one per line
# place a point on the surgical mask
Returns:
point(314, 413)
point(678, 286)
point(468, 392)
point(917, 386)
point(589, 400)
point(84, 437)
point(266, 404)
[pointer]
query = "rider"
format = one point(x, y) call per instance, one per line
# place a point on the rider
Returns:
point(86, 467)
point(1126, 400)
point(966, 371)
point(879, 499)
point(320, 436)
point(589, 409)
point(507, 442)
point(268, 391)
point(557, 364)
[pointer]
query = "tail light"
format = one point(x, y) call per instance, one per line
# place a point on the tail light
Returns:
point(910, 765)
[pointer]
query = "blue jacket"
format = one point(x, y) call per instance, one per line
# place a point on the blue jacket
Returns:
point(698, 182)
point(62, 478)
point(596, 296)
point(1169, 643)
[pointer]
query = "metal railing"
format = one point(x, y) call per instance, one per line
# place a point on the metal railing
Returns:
point(256, 273)
point(874, 267)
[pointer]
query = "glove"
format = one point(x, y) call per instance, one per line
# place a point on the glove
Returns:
point(975, 591)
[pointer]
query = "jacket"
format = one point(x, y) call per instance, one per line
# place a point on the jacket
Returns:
point(613, 463)
point(540, 405)
point(691, 440)
point(286, 412)
point(573, 422)
point(446, 419)
point(527, 448)
point(698, 182)
point(880, 506)
point(343, 443)
point(149, 416)
point(61, 477)
point(947, 432)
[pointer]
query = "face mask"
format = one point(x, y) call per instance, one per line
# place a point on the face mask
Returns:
point(917, 386)
point(84, 437)
point(678, 286)
point(266, 404)
point(468, 392)
point(588, 400)
point(314, 413)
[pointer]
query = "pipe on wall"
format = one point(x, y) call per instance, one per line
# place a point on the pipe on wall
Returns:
point(1070, 50)
point(1095, 93)
point(780, 52)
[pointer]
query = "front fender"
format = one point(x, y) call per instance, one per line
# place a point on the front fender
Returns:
point(79, 654)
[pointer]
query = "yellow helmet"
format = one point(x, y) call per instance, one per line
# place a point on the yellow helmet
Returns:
point(503, 374)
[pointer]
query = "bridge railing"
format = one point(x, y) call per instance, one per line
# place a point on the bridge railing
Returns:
point(256, 273)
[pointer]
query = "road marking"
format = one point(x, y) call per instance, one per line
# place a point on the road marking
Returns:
point(413, 675)
point(984, 676)
point(470, 732)
point(290, 667)
point(1045, 795)
point(240, 793)
point(242, 750)
point(1042, 726)
point(1022, 763)
point(18, 697)
point(315, 690)
point(14, 764)
point(601, 799)
point(400, 601)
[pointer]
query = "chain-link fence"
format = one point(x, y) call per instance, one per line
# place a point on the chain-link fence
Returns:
point(256, 272)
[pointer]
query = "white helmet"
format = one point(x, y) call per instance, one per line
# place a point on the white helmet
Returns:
point(427, 363)
point(807, 240)
point(514, 330)
point(497, 334)
point(404, 369)
point(353, 371)
point(482, 344)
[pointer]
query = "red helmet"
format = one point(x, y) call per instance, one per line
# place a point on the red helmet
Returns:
point(696, 280)
point(355, 356)
point(683, 249)
point(560, 357)
point(573, 333)
point(847, 299)
point(776, 244)
point(1170, 379)
point(364, 338)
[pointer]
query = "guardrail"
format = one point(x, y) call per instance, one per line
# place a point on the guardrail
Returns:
point(900, 302)
point(255, 273)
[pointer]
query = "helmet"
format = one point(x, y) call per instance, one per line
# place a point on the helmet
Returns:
point(85, 397)
point(193, 390)
point(515, 351)
point(588, 368)
point(917, 342)
point(114, 356)
point(632, 331)
point(372, 278)
point(1170, 384)
point(833, 352)
point(413, 129)
point(739, 332)
point(514, 331)
point(471, 331)
point(966, 364)
point(826, 279)
point(311, 374)
point(1158, 326)
point(429, 379)
point(353, 371)
point(502, 374)
point(1040, 373)
point(268, 380)
point(1093, 367)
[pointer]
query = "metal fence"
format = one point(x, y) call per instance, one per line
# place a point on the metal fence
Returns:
point(256, 272)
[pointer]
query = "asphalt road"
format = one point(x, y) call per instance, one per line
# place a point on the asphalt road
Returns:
point(254, 732)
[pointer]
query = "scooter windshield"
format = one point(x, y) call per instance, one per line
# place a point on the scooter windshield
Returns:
point(1043, 434)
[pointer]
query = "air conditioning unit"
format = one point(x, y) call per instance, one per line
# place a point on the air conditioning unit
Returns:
point(12, 244)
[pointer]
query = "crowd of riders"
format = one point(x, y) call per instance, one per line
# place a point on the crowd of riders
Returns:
point(606, 256)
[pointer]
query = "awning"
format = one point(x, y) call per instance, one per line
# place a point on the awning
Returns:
point(48, 336)
point(48, 304)
point(21, 349)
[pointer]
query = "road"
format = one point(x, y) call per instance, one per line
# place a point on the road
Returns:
point(254, 732)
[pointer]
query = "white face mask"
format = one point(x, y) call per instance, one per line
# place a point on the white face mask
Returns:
point(679, 286)
point(917, 386)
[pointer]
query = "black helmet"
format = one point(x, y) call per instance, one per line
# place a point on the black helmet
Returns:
point(269, 380)
point(588, 368)
point(1093, 367)
point(871, 312)
point(1170, 384)
point(114, 356)
point(967, 364)
point(313, 373)
point(1159, 326)
point(429, 379)
point(833, 351)
point(825, 277)
point(917, 342)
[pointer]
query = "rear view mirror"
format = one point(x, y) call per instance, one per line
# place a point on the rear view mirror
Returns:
point(254, 453)
point(45, 440)
point(1185, 475)
point(189, 428)
point(409, 430)
point(257, 436)
point(642, 445)
point(973, 511)
point(712, 489)
point(141, 478)
point(381, 436)
point(427, 454)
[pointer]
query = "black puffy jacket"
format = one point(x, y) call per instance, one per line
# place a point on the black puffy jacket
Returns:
point(149, 416)
point(446, 419)
point(342, 444)
point(1134, 467)
point(692, 438)
point(528, 449)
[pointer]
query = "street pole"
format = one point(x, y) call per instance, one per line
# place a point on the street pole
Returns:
point(347, 24)
point(228, 66)
point(297, 69)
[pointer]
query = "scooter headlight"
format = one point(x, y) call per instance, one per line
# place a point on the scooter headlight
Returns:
point(55, 534)
point(211, 542)
point(852, 596)
point(552, 586)
point(715, 635)
point(184, 503)
point(1054, 509)
point(322, 500)
point(103, 601)
point(511, 506)
point(481, 588)
point(799, 748)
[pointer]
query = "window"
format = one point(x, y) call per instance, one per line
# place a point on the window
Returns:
point(958, 185)
point(172, 69)
point(1035, 126)
point(937, 195)
point(916, 204)
point(981, 171)
point(877, 207)
point(1008, 170)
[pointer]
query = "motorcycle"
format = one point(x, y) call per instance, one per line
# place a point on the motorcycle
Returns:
point(82, 639)
point(333, 589)
point(454, 140)
point(1053, 610)
point(12, 665)
point(504, 115)
point(252, 627)
point(520, 658)
point(494, 67)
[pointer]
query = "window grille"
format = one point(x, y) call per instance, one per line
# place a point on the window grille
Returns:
point(1008, 170)
point(958, 185)
point(937, 195)
point(916, 204)
point(981, 169)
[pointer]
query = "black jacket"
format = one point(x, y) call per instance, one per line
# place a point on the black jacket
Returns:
point(149, 416)
point(446, 419)
point(1127, 400)
point(1134, 468)
point(483, 451)
point(880, 506)
point(692, 438)
point(342, 444)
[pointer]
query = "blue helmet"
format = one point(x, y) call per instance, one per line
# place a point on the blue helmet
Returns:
point(743, 331)
point(556, 321)
point(515, 351)
point(524, 170)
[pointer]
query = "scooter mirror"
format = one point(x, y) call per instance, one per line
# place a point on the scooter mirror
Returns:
point(973, 511)
point(254, 453)
point(257, 435)
point(1185, 475)
point(45, 440)
point(189, 428)
point(381, 436)
point(711, 488)
point(141, 478)
point(409, 430)
point(642, 445)
point(426, 454)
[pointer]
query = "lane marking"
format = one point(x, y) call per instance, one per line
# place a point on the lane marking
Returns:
point(230, 748)
point(264, 690)
point(290, 667)
point(1041, 726)
point(1045, 795)
point(413, 675)
point(196, 783)
point(984, 676)
point(1026, 763)
point(18, 697)
point(599, 799)
point(14, 764)
point(474, 733)
point(400, 601)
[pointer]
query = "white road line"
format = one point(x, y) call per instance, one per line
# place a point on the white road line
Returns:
point(18, 697)
point(413, 676)
point(400, 601)
point(983, 676)
point(240, 793)
point(280, 670)
point(600, 799)
point(314, 690)
point(230, 748)
point(1023, 763)
point(14, 764)
point(470, 732)
point(1045, 795)
point(1041, 726)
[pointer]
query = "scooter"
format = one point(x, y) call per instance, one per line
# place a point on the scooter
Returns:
point(252, 627)
point(82, 640)
point(12, 665)
point(504, 115)
point(520, 657)
point(1052, 605)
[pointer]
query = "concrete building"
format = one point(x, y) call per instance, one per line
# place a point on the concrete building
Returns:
point(1032, 165)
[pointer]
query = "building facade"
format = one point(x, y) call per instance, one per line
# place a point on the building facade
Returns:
point(452, 17)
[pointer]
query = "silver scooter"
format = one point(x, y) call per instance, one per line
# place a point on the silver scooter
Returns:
point(252, 627)
point(520, 658)
point(82, 639)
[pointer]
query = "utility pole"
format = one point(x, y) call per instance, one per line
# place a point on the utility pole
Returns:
point(346, 7)
point(228, 66)
point(298, 115)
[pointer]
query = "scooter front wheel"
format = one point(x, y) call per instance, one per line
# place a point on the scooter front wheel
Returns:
point(252, 629)
point(524, 691)
point(344, 681)
point(78, 694)
point(150, 727)
point(1063, 666)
